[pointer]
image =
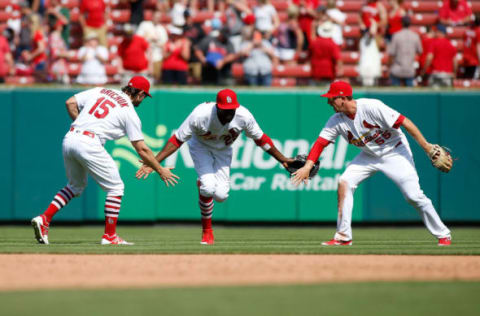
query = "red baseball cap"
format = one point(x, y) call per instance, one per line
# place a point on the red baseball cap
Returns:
point(140, 83)
point(227, 99)
point(339, 89)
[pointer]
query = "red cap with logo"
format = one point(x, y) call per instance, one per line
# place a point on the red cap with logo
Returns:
point(227, 99)
point(140, 83)
point(339, 89)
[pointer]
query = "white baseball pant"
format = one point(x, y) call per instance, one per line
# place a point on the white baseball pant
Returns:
point(84, 154)
point(398, 165)
point(213, 170)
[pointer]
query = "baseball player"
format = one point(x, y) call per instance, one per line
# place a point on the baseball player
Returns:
point(375, 129)
point(210, 130)
point(98, 115)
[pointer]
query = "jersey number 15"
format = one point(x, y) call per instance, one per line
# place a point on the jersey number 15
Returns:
point(100, 109)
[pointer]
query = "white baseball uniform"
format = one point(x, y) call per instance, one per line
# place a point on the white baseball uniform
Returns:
point(105, 114)
point(210, 143)
point(375, 130)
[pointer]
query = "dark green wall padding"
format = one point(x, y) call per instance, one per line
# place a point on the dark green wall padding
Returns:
point(35, 122)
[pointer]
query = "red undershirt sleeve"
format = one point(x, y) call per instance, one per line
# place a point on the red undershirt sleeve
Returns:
point(174, 140)
point(317, 149)
point(399, 121)
point(265, 142)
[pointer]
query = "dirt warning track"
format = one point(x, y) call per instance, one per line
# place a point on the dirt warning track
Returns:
point(28, 272)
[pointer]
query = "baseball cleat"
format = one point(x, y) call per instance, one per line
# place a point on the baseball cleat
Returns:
point(207, 237)
point(40, 227)
point(335, 242)
point(114, 240)
point(446, 241)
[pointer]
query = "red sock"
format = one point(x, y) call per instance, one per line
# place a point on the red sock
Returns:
point(206, 223)
point(206, 209)
point(112, 209)
point(50, 211)
point(110, 225)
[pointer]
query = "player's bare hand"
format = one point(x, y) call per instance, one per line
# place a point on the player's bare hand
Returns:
point(168, 177)
point(143, 172)
point(301, 175)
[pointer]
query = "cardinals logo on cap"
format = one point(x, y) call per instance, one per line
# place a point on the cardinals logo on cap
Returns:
point(227, 100)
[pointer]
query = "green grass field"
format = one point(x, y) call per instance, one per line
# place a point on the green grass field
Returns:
point(386, 299)
point(186, 239)
point(374, 298)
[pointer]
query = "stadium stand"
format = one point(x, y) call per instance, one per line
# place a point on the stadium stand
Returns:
point(422, 12)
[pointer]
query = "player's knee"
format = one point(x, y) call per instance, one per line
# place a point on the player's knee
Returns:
point(220, 195)
point(344, 183)
point(207, 189)
point(343, 187)
point(116, 190)
point(77, 191)
point(416, 199)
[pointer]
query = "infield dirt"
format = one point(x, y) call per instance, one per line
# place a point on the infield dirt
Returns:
point(29, 272)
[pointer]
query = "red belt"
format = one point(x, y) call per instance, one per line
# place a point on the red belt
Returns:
point(86, 133)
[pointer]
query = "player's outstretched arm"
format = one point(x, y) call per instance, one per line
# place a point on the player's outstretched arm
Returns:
point(148, 159)
point(267, 144)
point(275, 153)
point(170, 147)
point(413, 130)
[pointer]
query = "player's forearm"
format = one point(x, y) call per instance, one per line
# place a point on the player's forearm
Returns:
point(275, 153)
point(266, 143)
point(413, 130)
point(167, 150)
point(72, 108)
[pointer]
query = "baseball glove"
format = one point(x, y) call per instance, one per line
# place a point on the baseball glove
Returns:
point(299, 162)
point(441, 158)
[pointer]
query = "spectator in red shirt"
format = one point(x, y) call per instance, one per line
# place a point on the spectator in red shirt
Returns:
point(306, 16)
point(325, 60)
point(176, 56)
point(395, 15)
point(471, 48)
point(7, 66)
point(134, 51)
point(93, 18)
point(427, 40)
point(442, 57)
point(455, 12)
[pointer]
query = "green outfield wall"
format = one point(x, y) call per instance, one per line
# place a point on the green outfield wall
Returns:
point(35, 122)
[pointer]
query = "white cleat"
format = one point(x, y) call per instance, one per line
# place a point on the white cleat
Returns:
point(114, 240)
point(40, 227)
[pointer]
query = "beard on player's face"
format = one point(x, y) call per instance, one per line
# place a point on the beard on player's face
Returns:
point(137, 99)
point(225, 116)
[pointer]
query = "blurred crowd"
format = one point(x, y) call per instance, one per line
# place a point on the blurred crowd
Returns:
point(225, 42)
